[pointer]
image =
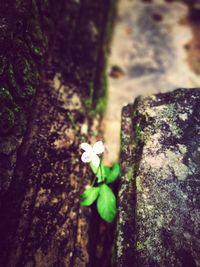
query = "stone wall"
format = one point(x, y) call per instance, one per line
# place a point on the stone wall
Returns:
point(52, 81)
point(159, 208)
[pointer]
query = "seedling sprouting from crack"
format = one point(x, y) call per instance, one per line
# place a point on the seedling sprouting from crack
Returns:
point(99, 190)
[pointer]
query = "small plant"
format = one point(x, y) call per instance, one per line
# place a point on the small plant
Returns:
point(99, 190)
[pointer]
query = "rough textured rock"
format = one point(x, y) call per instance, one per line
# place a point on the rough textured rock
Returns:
point(159, 208)
point(52, 75)
point(22, 46)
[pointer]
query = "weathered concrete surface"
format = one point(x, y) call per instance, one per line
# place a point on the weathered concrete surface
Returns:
point(160, 176)
point(42, 117)
point(149, 47)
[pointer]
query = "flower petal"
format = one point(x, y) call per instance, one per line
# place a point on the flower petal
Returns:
point(86, 147)
point(95, 160)
point(98, 147)
point(86, 157)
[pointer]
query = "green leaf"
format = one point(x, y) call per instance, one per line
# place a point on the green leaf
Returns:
point(89, 196)
point(107, 171)
point(106, 203)
point(113, 173)
point(99, 171)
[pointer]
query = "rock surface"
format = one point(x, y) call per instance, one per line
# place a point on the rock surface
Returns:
point(159, 205)
point(52, 76)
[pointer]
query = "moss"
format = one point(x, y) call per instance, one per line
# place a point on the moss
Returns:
point(102, 102)
point(146, 135)
point(129, 174)
point(141, 135)
point(138, 131)
point(19, 70)
point(138, 184)
point(89, 99)
point(101, 105)
point(102, 90)
point(141, 245)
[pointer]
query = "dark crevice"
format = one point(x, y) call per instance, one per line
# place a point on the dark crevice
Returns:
point(101, 238)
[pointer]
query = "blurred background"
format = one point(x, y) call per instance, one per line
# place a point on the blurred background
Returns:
point(155, 48)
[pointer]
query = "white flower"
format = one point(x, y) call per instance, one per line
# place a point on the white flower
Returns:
point(91, 152)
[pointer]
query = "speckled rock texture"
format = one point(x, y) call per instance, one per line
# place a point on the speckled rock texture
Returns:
point(52, 76)
point(22, 46)
point(159, 206)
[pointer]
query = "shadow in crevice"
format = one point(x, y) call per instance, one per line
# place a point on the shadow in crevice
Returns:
point(182, 255)
point(186, 258)
point(101, 239)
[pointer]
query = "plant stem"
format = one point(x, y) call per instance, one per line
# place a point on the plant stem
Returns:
point(93, 182)
point(101, 170)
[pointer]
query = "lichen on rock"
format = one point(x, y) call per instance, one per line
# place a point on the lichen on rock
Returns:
point(165, 216)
